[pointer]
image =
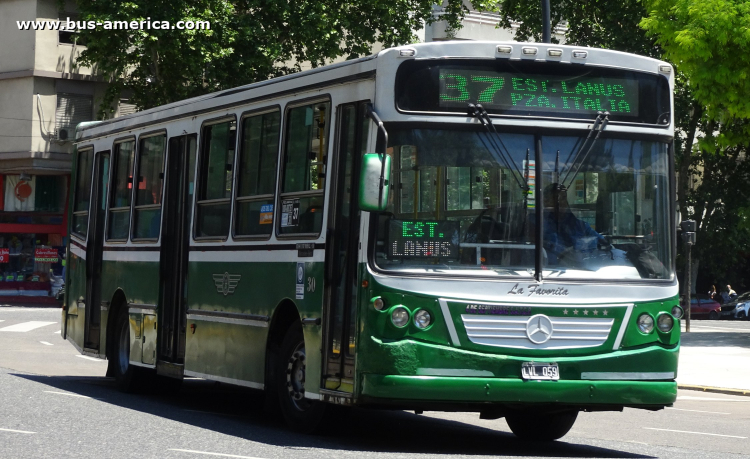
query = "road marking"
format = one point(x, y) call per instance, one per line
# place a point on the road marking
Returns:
point(17, 431)
point(58, 331)
point(696, 433)
point(212, 454)
point(26, 326)
point(90, 358)
point(68, 394)
point(46, 343)
point(690, 397)
point(697, 411)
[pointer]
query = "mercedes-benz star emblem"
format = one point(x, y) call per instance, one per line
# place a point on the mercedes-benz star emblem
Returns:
point(539, 329)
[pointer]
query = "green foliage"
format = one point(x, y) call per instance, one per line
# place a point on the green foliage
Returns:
point(708, 40)
point(611, 24)
point(249, 40)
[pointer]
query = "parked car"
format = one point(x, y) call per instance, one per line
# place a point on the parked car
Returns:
point(737, 308)
point(702, 307)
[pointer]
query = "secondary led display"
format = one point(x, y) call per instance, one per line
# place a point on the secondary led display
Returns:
point(423, 239)
point(544, 93)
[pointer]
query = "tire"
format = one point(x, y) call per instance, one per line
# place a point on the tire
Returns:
point(742, 315)
point(713, 315)
point(127, 377)
point(536, 426)
point(300, 414)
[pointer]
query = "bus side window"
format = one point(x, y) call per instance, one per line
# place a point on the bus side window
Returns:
point(303, 180)
point(83, 193)
point(256, 177)
point(150, 178)
point(122, 187)
point(215, 179)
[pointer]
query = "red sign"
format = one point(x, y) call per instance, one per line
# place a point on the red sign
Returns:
point(45, 255)
point(4, 255)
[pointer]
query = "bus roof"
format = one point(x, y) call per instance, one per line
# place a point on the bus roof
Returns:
point(365, 68)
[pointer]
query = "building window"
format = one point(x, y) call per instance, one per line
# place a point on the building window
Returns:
point(71, 110)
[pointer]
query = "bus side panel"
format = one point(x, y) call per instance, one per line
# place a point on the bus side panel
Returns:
point(138, 280)
point(234, 348)
point(74, 295)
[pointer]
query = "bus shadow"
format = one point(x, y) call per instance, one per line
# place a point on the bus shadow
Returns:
point(238, 412)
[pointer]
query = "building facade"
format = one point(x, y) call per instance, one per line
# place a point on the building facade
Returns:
point(43, 95)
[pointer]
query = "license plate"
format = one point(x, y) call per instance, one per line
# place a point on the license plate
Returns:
point(531, 370)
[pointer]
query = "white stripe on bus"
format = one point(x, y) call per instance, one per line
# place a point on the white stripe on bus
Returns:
point(267, 256)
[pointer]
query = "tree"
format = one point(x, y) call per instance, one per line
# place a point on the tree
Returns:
point(248, 40)
point(707, 40)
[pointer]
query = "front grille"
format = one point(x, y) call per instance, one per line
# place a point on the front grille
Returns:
point(567, 332)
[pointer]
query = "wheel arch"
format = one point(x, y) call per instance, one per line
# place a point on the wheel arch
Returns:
point(284, 316)
point(118, 303)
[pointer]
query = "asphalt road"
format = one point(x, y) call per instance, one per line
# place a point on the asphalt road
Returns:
point(55, 403)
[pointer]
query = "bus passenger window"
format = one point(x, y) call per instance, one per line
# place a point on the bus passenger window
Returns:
point(83, 193)
point(122, 187)
point(215, 187)
point(256, 178)
point(150, 178)
point(303, 182)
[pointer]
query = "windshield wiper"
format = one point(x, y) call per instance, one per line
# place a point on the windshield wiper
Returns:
point(602, 118)
point(478, 112)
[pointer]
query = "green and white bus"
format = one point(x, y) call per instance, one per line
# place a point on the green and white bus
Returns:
point(456, 226)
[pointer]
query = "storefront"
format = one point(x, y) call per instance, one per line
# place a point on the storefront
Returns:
point(33, 234)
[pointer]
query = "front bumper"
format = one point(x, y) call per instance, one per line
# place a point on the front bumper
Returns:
point(470, 390)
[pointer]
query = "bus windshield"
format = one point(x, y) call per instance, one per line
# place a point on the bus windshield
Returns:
point(463, 202)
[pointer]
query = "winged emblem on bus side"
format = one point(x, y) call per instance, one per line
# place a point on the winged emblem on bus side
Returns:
point(226, 283)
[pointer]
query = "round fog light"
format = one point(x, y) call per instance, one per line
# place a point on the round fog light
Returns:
point(645, 323)
point(400, 317)
point(665, 322)
point(422, 319)
point(677, 312)
point(378, 303)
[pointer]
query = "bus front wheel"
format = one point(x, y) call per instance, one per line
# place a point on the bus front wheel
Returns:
point(301, 414)
point(541, 426)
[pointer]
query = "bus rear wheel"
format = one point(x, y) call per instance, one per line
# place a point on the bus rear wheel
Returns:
point(540, 426)
point(126, 375)
point(301, 414)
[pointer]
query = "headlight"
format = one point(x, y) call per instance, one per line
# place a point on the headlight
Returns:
point(665, 322)
point(422, 319)
point(400, 316)
point(677, 312)
point(645, 323)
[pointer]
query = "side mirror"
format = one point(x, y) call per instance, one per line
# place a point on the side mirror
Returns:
point(370, 190)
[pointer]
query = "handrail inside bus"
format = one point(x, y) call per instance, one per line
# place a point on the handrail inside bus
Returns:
point(370, 113)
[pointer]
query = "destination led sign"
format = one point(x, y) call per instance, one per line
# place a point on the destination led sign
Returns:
point(532, 89)
point(546, 93)
point(423, 239)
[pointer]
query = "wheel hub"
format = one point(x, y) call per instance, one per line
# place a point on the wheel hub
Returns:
point(295, 378)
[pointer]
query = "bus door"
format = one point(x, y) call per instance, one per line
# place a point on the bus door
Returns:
point(175, 239)
point(92, 300)
point(342, 243)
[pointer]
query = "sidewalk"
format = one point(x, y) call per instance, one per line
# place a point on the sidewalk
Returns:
point(715, 356)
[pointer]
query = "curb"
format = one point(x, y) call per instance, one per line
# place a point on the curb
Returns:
point(716, 390)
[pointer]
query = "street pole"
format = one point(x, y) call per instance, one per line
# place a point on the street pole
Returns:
point(546, 28)
point(688, 235)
